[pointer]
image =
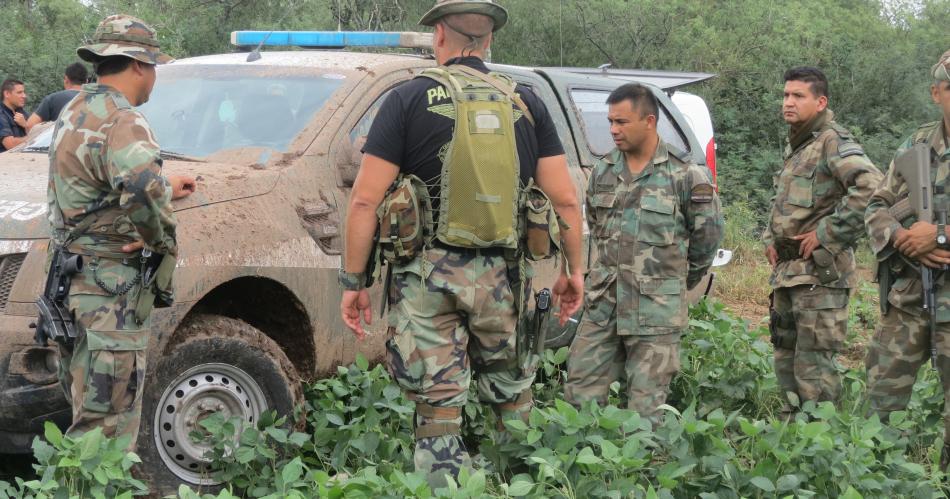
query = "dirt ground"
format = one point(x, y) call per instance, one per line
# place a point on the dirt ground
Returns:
point(743, 288)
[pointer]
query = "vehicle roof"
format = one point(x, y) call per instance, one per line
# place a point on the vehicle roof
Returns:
point(329, 59)
point(666, 80)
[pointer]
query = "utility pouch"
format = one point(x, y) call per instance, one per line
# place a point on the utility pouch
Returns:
point(825, 266)
point(778, 324)
point(156, 291)
point(542, 232)
point(402, 220)
point(885, 279)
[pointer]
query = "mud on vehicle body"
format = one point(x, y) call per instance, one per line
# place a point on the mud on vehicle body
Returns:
point(275, 147)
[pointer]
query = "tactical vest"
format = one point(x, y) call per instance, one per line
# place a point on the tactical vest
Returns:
point(480, 182)
point(482, 202)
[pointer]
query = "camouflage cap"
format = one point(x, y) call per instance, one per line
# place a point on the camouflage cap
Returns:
point(941, 70)
point(485, 7)
point(123, 35)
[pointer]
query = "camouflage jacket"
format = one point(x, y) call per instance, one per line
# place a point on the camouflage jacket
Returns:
point(656, 234)
point(824, 186)
point(104, 162)
point(905, 290)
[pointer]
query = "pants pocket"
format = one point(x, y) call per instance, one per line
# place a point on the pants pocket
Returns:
point(403, 361)
point(113, 380)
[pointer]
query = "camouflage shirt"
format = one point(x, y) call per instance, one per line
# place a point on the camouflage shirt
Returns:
point(656, 234)
point(104, 162)
point(824, 186)
point(906, 291)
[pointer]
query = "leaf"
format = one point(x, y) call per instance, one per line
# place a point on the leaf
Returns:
point(787, 482)
point(298, 439)
point(334, 418)
point(763, 483)
point(851, 494)
point(52, 434)
point(520, 488)
point(533, 436)
point(516, 424)
point(361, 362)
point(90, 444)
point(586, 456)
point(292, 471)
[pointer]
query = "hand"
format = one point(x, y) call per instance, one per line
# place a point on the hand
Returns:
point(809, 242)
point(19, 119)
point(936, 259)
point(920, 239)
point(133, 247)
point(771, 255)
point(569, 293)
point(355, 302)
point(182, 185)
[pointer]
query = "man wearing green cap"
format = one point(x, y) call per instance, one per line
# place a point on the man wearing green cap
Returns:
point(474, 142)
point(110, 203)
point(902, 342)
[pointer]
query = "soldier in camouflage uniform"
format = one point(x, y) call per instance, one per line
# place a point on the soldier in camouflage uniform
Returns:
point(105, 164)
point(901, 343)
point(816, 219)
point(453, 309)
point(656, 223)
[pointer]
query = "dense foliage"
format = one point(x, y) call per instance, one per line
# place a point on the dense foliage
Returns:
point(876, 53)
point(719, 439)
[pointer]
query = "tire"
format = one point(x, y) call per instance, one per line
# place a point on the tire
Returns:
point(221, 364)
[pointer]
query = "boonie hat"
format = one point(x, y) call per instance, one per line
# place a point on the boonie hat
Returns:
point(941, 70)
point(485, 7)
point(123, 35)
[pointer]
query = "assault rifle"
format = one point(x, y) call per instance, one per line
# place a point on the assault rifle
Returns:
point(914, 167)
point(55, 322)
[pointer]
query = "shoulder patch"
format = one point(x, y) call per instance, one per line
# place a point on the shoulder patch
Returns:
point(702, 193)
point(849, 148)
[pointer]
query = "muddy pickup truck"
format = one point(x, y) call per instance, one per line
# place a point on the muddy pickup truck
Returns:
point(275, 146)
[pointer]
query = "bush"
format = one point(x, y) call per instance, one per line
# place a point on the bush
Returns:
point(722, 442)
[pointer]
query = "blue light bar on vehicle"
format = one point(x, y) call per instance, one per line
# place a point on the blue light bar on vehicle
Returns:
point(332, 39)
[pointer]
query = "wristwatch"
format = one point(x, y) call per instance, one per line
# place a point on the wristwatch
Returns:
point(941, 235)
point(352, 281)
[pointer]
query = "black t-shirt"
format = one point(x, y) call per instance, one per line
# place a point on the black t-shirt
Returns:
point(53, 104)
point(409, 130)
point(8, 127)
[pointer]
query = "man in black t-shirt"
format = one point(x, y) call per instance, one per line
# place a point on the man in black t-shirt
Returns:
point(12, 115)
point(51, 105)
point(453, 309)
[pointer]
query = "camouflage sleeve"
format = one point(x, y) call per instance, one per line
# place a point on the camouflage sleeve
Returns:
point(135, 170)
point(588, 209)
point(704, 223)
point(881, 224)
point(859, 177)
point(767, 238)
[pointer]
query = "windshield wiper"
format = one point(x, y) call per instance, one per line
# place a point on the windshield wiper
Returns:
point(181, 157)
point(36, 149)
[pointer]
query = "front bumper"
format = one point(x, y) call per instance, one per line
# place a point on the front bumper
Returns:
point(30, 392)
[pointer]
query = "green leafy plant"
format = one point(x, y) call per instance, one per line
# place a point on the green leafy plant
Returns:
point(87, 466)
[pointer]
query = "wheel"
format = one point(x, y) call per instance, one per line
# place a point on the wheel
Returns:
point(221, 365)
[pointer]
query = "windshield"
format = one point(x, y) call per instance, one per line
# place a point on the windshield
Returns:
point(198, 110)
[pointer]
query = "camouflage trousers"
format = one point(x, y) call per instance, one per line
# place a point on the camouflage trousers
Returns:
point(103, 374)
point(809, 328)
point(901, 345)
point(599, 356)
point(452, 312)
